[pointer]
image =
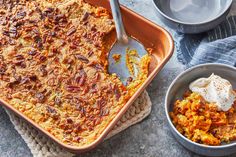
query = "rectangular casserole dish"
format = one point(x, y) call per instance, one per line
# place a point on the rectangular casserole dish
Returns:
point(152, 36)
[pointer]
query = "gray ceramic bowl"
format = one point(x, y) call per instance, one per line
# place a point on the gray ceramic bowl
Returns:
point(176, 90)
point(192, 16)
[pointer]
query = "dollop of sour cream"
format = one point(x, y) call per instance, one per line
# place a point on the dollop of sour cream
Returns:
point(215, 89)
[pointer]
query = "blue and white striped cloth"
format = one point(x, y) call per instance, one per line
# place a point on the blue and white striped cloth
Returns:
point(217, 45)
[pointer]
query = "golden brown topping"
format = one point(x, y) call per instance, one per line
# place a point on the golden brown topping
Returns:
point(71, 31)
point(53, 67)
point(40, 97)
point(82, 58)
point(32, 52)
point(43, 71)
point(85, 16)
point(57, 100)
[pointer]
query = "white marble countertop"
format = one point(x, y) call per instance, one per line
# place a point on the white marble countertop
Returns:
point(149, 138)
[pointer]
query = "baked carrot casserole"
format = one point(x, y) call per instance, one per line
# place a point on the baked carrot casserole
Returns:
point(203, 121)
point(53, 67)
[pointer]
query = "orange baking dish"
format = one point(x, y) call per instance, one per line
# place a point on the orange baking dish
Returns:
point(152, 36)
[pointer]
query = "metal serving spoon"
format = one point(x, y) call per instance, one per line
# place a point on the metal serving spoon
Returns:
point(120, 47)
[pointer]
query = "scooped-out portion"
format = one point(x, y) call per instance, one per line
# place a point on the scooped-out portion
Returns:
point(207, 113)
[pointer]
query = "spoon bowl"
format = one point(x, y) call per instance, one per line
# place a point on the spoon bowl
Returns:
point(121, 46)
point(120, 67)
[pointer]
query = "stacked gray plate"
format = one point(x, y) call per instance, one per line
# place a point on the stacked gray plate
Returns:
point(192, 16)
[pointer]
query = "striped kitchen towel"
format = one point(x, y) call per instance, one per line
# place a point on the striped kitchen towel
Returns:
point(217, 45)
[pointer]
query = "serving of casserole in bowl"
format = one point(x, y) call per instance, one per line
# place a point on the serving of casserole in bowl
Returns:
point(53, 67)
point(200, 107)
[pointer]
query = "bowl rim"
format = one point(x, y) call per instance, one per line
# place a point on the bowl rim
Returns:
point(193, 24)
point(167, 111)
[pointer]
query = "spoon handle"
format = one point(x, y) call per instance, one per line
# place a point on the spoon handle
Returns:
point(120, 30)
